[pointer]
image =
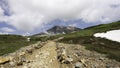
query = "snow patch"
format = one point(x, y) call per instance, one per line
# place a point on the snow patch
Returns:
point(113, 35)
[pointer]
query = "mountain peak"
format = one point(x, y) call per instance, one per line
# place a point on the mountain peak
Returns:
point(60, 30)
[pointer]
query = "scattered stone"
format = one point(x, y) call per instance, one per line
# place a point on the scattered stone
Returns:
point(1, 66)
point(69, 59)
point(101, 58)
point(102, 43)
point(66, 62)
point(19, 63)
point(25, 67)
point(29, 50)
point(44, 67)
point(28, 61)
point(23, 59)
point(76, 48)
point(79, 65)
point(19, 60)
point(50, 61)
point(47, 53)
point(12, 63)
point(37, 47)
point(36, 56)
point(82, 60)
point(78, 53)
point(21, 53)
point(11, 58)
point(4, 60)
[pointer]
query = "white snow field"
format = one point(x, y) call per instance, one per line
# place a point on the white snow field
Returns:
point(113, 35)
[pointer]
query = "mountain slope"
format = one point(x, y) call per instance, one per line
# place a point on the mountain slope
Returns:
point(58, 30)
point(96, 29)
point(62, 29)
point(85, 37)
point(105, 27)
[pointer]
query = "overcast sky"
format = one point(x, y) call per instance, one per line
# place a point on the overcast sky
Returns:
point(34, 16)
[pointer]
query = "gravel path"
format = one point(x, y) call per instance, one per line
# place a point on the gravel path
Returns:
point(45, 57)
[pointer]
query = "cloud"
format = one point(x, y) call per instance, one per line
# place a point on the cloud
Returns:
point(6, 30)
point(1, 12)
point(111, 35)
point(1, 33)
point(2, 17)
point(27, 15)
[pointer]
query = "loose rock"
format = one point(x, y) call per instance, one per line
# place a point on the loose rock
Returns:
point(79, 65)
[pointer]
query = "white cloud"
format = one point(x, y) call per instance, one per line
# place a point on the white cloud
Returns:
point(1, 12)
point(2, 17)
point(113, 35)
point(29, 14)
point(1, 33)
point(6, 30)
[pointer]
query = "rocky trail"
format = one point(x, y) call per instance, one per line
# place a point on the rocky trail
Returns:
point(51, 54)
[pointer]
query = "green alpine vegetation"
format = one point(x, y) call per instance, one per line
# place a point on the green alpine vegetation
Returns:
point(11, 43)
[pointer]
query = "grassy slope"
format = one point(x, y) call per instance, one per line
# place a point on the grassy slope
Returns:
point(11, 43)
point(96, 29)
point(90, 30)
point(85, 37)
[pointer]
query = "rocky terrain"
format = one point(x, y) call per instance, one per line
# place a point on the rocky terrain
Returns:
point(51, 54)
point(62, 29)
point(79, 57)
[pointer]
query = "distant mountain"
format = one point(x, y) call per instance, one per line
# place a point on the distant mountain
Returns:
point(59, 30)
point(62, 29)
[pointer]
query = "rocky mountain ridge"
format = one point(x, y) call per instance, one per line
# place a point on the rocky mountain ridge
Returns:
point(58, 30)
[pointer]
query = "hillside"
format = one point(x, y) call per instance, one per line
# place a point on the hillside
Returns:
point(105, 27)
point(97, 29)
point(11, 43)
point(85, 37)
